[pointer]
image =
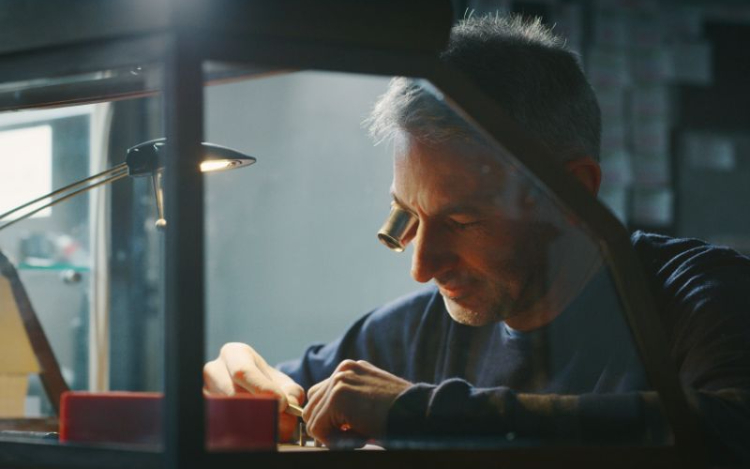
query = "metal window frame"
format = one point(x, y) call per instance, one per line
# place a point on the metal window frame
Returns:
point(183, 35)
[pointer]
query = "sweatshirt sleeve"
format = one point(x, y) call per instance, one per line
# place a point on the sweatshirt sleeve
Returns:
point(702, 293)
point(320, 360)
point(383, 337)
point(454, 412)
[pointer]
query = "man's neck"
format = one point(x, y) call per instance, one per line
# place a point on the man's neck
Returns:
point(567, 285)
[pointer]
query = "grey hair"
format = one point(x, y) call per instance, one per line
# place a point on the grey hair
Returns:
point(519, 63)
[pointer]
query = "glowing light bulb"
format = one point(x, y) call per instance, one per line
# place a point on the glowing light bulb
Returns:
point(215, 165)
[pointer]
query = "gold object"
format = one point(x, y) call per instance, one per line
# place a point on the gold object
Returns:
point(396, 228)
point(294, 409)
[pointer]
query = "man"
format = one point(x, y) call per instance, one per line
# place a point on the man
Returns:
point(523, 336)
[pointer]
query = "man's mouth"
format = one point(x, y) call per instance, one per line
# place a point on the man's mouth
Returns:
point(454, 291)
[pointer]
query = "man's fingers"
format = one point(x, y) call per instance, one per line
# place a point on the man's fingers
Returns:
point(256, 382)
point(293, 391)
point(216, 379)
point(317, 414)
point(324, 425)
point(351, 404)
point(248, 373)
point(346, 373)
point(325, 410)
point(315, 388)
point(345, 368)
point(314, 396)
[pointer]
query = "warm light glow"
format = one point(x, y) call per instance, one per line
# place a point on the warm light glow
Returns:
point(215, 165)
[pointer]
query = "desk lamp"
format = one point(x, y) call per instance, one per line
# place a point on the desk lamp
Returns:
point(141, 160)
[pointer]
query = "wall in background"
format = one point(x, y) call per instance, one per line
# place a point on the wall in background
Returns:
point(292, 252)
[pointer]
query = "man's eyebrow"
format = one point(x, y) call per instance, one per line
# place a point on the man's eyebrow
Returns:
point(446, 211)
point(461, 209)
point(401, 204)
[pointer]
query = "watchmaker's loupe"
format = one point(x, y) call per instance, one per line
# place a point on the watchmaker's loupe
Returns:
point(396, 228)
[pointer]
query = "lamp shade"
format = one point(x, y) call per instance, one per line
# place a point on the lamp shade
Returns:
point(143, 159)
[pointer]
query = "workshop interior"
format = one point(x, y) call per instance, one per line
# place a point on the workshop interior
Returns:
point(260, 210)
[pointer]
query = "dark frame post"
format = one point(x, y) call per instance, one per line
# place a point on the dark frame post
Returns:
point(184, 275)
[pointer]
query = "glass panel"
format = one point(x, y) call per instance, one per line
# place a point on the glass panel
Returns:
point(85, 265)
point(100, 86)
point(517, 338)
point(302, 219)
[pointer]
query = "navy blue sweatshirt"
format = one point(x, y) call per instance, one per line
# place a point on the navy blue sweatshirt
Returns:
point(577, 379)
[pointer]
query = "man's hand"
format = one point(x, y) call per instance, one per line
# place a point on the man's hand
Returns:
point(352, 404)
point(239, 368)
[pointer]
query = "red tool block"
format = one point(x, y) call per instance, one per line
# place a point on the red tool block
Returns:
point(242, 422)
point(238, 423)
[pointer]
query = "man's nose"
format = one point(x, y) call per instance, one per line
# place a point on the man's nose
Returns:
point(433, 253)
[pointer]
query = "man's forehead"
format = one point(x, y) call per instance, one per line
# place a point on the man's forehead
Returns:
point(449, 179)
point(475, 163)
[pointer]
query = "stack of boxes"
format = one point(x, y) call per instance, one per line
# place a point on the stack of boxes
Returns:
point(638, 52)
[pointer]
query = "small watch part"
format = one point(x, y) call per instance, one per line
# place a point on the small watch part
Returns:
point(302, 434)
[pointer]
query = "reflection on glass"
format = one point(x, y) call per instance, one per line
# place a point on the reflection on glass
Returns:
point(524, 331)
point(519, 336)
point(519, 339)
point(91, 263)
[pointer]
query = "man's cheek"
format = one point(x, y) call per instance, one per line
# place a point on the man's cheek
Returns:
point(287, 426)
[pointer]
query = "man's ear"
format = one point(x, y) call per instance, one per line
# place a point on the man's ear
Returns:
point(586, 170)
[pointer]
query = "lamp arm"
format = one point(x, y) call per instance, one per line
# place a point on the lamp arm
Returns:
point(115, 169)
point(118, 172)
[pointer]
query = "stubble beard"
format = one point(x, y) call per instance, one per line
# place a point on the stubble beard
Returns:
point(473, 316)
point(501, 304)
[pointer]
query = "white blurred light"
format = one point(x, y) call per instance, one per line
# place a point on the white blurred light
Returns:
point(25, 167)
